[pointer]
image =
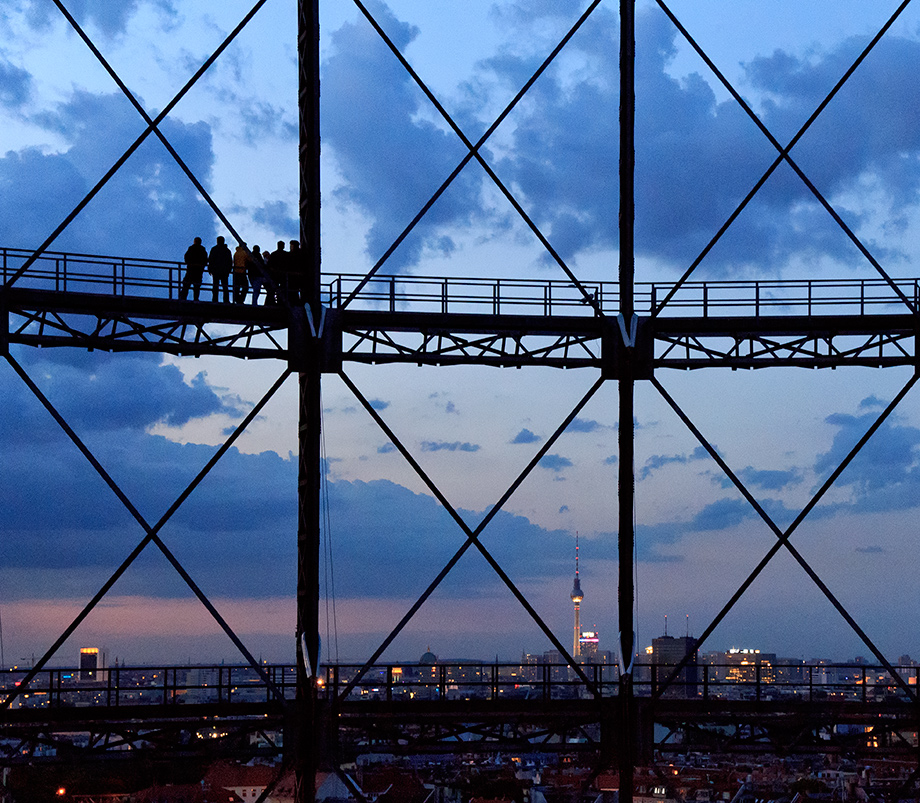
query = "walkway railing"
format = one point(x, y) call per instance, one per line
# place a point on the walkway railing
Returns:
point(177, 685)
point(89, 273)
point(121, 276)
point(121, 686)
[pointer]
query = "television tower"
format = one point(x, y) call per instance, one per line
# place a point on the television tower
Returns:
point(577, 597)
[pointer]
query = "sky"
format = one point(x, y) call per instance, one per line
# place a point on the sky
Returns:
point(153, 421)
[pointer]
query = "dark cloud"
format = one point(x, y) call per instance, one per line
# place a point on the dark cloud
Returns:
point(584, 425)
point(277, 216)
point(658, 461)
point(764, 479)
point(261, 120)
point(872, 403)
point(885, 474)
point(555, 462)
point(15, 84)
point(148, 206)
point(103, 393)
point(722, 514)
point(452, 446)
point(697, 156)
point(108, 16)
point(61, 517)
point(525, 436)
point(391, 157)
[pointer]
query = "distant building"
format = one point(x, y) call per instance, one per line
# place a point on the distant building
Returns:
point(89, 663)
point(588, 646)
point(667, 653)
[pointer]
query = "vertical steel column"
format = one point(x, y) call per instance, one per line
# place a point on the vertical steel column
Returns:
point(628, 731)
point(306, 719)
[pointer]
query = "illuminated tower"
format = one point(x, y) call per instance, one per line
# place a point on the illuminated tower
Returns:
point(577, 597)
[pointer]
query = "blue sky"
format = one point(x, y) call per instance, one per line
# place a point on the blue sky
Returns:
point(154, 421)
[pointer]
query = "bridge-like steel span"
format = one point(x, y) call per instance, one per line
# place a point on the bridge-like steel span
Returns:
point(625, 331)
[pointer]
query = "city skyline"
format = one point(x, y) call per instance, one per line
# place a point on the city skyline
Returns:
point(156, 420)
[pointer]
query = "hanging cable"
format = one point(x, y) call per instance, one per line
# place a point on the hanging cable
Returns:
point(332, 631)
point(636, 558)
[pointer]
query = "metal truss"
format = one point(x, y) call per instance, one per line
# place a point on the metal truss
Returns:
point(560, 726)
point(855, 730)
point(47, 319)
point(239, 731)
point(626, 347)
point(808, 342)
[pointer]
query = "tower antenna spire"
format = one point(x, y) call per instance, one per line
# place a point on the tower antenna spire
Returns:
point(577, 597)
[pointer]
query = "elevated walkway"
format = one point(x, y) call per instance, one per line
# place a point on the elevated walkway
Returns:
point(122, 304)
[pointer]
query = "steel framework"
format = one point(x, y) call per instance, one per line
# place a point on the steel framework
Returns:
point(624, 332)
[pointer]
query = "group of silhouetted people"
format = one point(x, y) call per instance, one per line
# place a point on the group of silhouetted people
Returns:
point(279, 273)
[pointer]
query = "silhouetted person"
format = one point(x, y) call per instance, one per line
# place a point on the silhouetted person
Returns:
point(257, 273)
point(278, 270)
point(220, 263)
point(196, 258)
point(241, 260)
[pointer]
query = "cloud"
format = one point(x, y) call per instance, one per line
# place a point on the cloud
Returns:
point(276, 215)
point(148, 208)
point(764, 479)
point(611, 460)
point(262, 120)
point(555, 462)
point(885, 474)
point(386, 448)
point(584, 425)
point(525, 436)
point(379, 404)
point(391, 157)
point(104, 393)
point(658, 461)
point(108, 16)
point(870, 550)
point(63, 520)
point(872, 403)
point(698, 156)
point(889, 459)
point(15, 84)
point(454, 446)
point(721, 514)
